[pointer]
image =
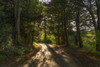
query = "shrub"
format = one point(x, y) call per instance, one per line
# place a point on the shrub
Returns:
point(5, 34)
point(3, 57)
point(47, 41)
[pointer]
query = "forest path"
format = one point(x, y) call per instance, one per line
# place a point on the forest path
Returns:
point(50, 56)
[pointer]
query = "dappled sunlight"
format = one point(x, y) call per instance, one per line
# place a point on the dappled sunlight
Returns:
point(94, 58)
point(49, 33)
point(49, 56)
point(43, 46)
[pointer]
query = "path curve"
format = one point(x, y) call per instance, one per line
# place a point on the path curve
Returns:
point(50, 56)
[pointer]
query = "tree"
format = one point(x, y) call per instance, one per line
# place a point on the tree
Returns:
point(77, 19)
point(89, 6)
point(17, 20)
point(98, 26)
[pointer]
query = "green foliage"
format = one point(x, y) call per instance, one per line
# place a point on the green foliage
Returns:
point(10, 51)
point(47, 41)
point(98, 37)
point(30, 14)
point(3, 57)
point(31, 18)
point(96, 53)
point(50, 38)
point(27, 48)
point(5, 35)
point(90, 40)
point(33, 15)
point(98, 40)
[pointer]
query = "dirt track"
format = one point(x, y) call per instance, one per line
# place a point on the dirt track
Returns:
point(50, 56)
point(55, 56)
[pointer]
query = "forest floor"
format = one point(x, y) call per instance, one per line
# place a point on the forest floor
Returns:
point(57, 56)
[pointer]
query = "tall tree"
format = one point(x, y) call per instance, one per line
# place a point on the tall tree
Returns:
point(77, 19)
point(17, 19)
point(96, 4)
point(65, 26)
point(98, 26)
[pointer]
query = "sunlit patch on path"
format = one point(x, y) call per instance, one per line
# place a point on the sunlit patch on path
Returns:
point(50, 56)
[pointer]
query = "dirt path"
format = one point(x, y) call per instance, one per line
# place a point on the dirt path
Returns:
point(82, 58)
point(50, 56)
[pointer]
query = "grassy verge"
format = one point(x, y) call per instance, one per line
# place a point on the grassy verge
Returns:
point(17, 51)
point(91, 49)
point(22, 55)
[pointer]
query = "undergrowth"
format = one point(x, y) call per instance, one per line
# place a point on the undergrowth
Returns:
point(10, 51)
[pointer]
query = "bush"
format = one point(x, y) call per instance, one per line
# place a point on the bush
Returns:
point(95, 53)
point(15, 50)
point(5, 34)
point(3, 57)
point(47, 41)
point(28, 49)
point(11, 50)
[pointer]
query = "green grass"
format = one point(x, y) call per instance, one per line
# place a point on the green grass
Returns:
point(90, 43)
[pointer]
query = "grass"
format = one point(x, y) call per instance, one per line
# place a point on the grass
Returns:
point(36, 45)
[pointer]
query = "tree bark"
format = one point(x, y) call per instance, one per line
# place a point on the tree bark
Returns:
point(98, 26)
point(76, 40)
point(62, 34)
point(91, 13)
point(17, 19)
point(58, 37)
point(80, 42)
point(65, 30)
point(45, 32)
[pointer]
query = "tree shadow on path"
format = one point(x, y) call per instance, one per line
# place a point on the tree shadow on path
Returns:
point(59, 58)
point(50, 56)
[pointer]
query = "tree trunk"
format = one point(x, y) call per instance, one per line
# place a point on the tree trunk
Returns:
point(78, 29)
point(65, 30)
point(98, 26)
point(58, 39)
point(45, 32)
point(62, 34)
point(45, 35)
point(17, 19)
point(76, 40)
point(93, 18)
